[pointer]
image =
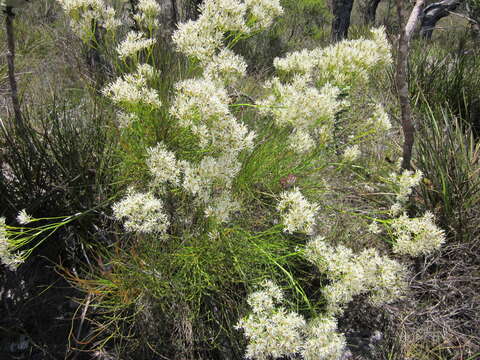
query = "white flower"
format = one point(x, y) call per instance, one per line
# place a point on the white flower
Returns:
point(133, 43)
point(373, 228)
point(23, 218)
point(417, 236)
point(132, 89)
point(263, 12)
point(264, 300)
point(125, 119)
point(274, 333)
point(301, 142)
point(141, 213)
point(110, 23)
point(349, 63)
point(301, 105)
point(8, 256)
point(198, 39)
point(353, 274)
point(146, 71)
point(405, 182)
point(221, 207)
point(380, 120)
point(200, 99)
point(271, 330)
point(202, 106)
point(163, 165)
point(301, 62)
point(384, 277)
point(147, 13)
point(297, 213)
point(323, 341)
point(225, 15)
point(396, 209)
point(346, 63)
point(226, 67)
point(210, 173)
point(351, 153)
point(84, 13)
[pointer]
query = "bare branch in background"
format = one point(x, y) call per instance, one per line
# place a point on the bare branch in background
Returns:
point(401, 75)
point(434, 12)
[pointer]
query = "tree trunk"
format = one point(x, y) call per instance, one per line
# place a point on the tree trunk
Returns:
point(473, 11)
point(368, 9)
point(341, 10)
point(177, 11)
point(433, 13)
point(188, 9)
point(9, 15)
point(406, 33)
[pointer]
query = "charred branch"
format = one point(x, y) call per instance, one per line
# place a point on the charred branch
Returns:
point(433, 13)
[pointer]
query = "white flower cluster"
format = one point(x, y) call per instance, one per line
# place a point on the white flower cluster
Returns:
point(133, 43)
point(210, 173)
point(300, 141)
point(142, 213)
point(225, 15)
point(147, 14)
point(323, 341)
point(380, 120)
point(412, 236)
point(84, 13)
point(163, 165)
point(297, 213)
point(124, 120)
point(351, 274)
point(347, 63)
point(24, 218)
point(221, 207)
point(351, 153)
point(199, 99)
point(201, 38)
point(417, 236)
point(211, 181)
point(198, 39)
point(226, 67)
point(262, 12)
point(404, 183)
point(301, 105)
point(202, 106)
point(373, 228)
point(10, 258)
point(274, 333)
point(132, 89)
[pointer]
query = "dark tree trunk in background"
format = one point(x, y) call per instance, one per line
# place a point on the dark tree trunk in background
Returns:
point(178, 11)
point(191, 9)
point(473, 11)
point(368, 8)
point(9, 15)
point(433, 13)
point(341, 10)
point(174, 12)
